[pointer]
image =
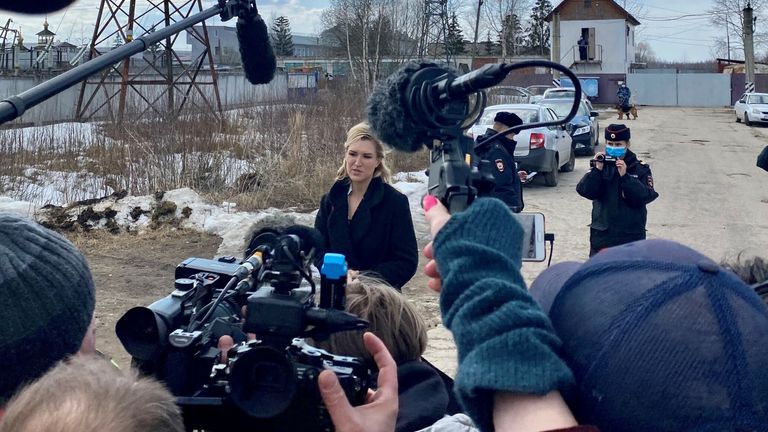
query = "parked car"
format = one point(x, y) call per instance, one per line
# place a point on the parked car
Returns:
point(545, 150)
point(538, 92)
point(565, 93)
point(752, 107)
point(508, 95)
point(585, 127)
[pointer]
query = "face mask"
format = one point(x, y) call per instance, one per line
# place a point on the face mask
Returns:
point(617, 152)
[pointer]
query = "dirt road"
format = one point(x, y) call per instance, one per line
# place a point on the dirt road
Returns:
point(712, 198)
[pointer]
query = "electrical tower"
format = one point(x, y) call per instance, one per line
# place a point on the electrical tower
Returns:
point(435, 30)
point(7, 49)
point(157, 81)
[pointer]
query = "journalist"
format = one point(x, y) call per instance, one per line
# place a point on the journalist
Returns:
point(364, 218)
point(423, 397)
point(46, 301)
point(88, 394)
point(659, 338)
point(500, 152)
point(620, 186)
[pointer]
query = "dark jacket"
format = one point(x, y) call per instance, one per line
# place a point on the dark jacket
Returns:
point(618, 203)
point(379, 239)
point(501, 155)
point(423, 398)
point(762, 159)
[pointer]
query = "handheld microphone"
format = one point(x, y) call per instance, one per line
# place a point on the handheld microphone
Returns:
point(259, 62)
point(333, 281)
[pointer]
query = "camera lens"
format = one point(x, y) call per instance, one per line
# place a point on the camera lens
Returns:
point(263, 382)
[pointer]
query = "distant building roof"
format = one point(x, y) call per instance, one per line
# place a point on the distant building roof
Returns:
point(64, 45)
point(45, 31)
point(623, 12)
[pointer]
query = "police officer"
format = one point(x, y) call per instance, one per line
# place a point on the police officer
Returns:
point(500, 152)
point(620, 186)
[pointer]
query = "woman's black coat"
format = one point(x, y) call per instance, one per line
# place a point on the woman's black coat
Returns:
point(379, 239)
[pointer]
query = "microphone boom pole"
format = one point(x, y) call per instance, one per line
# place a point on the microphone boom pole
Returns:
point(14, 106)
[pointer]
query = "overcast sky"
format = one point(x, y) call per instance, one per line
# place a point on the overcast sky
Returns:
point(675, 29)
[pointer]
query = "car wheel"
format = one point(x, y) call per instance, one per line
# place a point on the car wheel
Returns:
point(550, 178)
point(590, 151)
point(746, 120)
point(571, 163)
point(738, 120)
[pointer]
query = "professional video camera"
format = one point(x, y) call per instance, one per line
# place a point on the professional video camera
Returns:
point(269, 379)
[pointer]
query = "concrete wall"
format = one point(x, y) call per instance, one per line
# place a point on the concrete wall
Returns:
point(234, 90)
point(618, 49)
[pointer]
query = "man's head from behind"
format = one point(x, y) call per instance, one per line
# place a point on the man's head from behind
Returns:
point(88, 394)
point(46, 301)
point(661, 338)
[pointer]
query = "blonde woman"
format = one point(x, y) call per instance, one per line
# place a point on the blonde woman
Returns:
point(365, 218)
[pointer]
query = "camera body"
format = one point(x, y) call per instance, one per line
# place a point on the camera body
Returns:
point(605, 159)
point(269, 378)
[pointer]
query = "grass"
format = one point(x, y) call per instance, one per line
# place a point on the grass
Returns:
point(282, 156)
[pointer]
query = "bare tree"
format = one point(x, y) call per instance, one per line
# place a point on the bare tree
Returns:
point(372, 31)
point(644, 53)
point(499, 12)
point(728, 14)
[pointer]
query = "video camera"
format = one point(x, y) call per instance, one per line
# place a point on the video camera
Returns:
point(609, 164)
point(269, 379)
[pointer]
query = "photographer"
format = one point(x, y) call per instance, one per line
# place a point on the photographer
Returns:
point(423, 398)
point(620, 186)
point(501, 153)
point(46, 300)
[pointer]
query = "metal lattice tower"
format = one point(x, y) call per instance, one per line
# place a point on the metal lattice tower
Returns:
point(435, 30)
point(156, 81)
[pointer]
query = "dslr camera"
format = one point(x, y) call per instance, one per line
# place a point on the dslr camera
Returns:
point(268, 380)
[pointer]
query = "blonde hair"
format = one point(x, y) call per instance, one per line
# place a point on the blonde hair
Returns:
point(391, 316)
point(362, 131)
point(88, 394)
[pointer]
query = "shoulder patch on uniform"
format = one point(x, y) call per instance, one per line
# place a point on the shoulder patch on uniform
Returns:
point(643, 163)
point(499, 165)
point(650, 182)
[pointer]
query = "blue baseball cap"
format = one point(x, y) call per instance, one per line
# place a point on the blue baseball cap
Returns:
point(659, 338)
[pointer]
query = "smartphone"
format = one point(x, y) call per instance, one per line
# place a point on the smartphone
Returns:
point(533, 236)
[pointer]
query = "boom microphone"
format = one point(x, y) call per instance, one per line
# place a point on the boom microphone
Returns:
point(35, 6)
point(408, 108)
point(311, 239)
point(259, 62)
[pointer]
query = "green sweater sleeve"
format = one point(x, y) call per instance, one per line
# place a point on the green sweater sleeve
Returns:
point(505, 341)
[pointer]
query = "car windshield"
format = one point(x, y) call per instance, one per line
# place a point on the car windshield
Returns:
point(560, 94)
point(526, 114)
point(758, 99)
point(563, 108)
point(538, 90)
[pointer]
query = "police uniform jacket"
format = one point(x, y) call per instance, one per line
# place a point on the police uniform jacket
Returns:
point(378, 239)
point(500, 153)
point(618, 203)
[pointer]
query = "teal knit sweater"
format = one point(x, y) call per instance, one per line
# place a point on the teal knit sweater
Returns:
point(505, 341)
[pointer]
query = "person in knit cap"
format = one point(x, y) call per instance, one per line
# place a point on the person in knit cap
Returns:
point(500, 152)
point(46, 302)
point(659, 338)
point(619, 185)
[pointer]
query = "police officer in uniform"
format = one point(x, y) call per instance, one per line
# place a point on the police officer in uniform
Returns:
point(500, 152)
point(620, 186)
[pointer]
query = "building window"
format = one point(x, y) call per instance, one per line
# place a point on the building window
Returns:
point(587, 3)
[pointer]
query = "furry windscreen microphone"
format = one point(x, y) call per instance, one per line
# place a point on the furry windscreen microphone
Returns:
point(310, 238)
point(388, 113)
point(34, 6)
point(259, 62)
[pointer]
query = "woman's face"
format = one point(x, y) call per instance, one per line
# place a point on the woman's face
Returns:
point(361, 160)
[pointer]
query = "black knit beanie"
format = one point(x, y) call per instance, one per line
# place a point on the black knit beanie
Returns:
point(46, 301)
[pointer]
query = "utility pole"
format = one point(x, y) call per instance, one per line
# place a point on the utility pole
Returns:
point(477, 28)
point(727, 37)
point(749, 49)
